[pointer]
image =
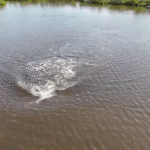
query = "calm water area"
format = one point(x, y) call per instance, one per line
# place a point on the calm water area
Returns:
point(74, 77)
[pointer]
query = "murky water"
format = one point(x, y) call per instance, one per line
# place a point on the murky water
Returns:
point(74, 78)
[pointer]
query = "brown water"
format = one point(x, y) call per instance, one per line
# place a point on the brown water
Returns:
point(74, 78)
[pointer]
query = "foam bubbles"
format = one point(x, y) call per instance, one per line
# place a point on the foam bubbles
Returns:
point(43, 78)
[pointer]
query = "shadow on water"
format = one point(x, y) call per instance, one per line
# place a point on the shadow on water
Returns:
point(118, 8)
point(128, 8)
point(11, 89)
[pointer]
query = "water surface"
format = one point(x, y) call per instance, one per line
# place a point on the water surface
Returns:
point(74, 77)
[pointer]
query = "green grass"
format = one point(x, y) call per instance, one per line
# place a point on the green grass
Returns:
point(2, 2)
point(120, 2)
point(45, 2)
point(141, 3)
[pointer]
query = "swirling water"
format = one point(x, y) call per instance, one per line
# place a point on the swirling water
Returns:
point(74, 77)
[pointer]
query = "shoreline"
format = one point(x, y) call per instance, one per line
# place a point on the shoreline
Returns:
point(130, 3)
point(138, 3)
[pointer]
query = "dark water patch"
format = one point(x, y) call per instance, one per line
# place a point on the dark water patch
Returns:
point(10, 91)
point(74, 125)
point(119, 8)
point(6, 80)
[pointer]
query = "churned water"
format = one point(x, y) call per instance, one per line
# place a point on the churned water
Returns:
point(74, 77)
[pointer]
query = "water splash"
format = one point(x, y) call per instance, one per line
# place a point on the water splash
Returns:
point(43, 78)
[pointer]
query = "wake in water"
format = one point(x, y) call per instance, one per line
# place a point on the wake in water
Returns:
point(43, 78)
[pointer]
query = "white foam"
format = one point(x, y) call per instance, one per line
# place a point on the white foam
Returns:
point(46, 91)
point(45, 77)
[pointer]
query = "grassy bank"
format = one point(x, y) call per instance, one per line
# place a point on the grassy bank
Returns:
point(140, 3)
point(45, 1)
point(119, 2)
point(2, 2)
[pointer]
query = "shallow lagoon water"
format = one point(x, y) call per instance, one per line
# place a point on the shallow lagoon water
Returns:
point(74, 77)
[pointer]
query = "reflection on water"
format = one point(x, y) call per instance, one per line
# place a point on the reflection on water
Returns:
point(74, 77)
point(44, 3)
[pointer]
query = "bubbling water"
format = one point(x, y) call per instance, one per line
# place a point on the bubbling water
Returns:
point(43, 78)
